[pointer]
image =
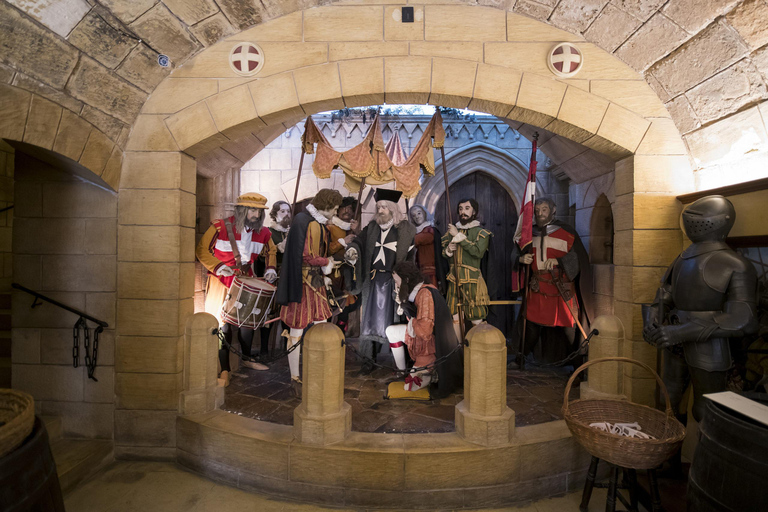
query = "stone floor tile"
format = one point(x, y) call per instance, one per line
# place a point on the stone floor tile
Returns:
point(368, 420)
point(534, 394)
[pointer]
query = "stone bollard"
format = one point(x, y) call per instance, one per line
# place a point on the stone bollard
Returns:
point(605, 379)
point(483, 416)
point(201, 347)
point(323, 417)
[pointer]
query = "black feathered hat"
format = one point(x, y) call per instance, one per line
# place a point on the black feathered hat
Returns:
point(383, 194)
point(348, 201)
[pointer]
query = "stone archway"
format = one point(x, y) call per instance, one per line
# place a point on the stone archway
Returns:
point(509, 171)
point(204, 115)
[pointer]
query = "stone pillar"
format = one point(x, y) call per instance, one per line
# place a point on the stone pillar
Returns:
point(483, 416)
point(647, 240)
point(156, 255)
point(201, 348)
point(605, 380)
point(323, 417)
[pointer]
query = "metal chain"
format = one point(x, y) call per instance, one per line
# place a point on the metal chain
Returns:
point(413, 369)
point(90, 355)
point(262, 360)
point(95, 353)
point(573, 355)
point(87, 346)
point(76, 347)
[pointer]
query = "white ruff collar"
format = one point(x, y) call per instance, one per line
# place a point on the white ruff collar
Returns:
point(319, 217)
point(340, 223)
point(414, 292)
point(386, 226)
point(278, 227)
point(475, 223)
point(420, 227)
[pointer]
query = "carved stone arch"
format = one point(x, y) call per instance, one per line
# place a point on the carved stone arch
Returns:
point(509, 170)
point(59, 137)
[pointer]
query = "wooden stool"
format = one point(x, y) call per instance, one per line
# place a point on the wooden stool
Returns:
point(637, 493)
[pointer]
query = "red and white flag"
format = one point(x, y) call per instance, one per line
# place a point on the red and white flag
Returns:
point(524, 231)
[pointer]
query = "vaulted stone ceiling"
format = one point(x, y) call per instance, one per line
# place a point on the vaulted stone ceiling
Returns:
point(704, 59)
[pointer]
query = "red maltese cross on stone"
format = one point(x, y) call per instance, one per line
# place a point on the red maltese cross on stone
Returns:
point(565, 60)
point(246, 59)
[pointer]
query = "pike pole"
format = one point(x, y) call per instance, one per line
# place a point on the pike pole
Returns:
point(298, 180)
point(530, 188)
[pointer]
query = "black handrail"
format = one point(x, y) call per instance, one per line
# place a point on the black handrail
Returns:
point(59, 304)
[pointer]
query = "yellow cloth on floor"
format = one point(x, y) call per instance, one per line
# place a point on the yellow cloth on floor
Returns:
point(396, 390)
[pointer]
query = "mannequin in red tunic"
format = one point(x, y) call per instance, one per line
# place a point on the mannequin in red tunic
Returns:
point(428, 249)
point(557, 253)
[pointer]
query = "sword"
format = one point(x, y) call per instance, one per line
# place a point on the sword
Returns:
point(564, 295)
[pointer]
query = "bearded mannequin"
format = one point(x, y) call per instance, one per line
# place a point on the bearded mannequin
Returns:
point(384, 242)
point(556, 253)
point(469, 242)
point(216, 252)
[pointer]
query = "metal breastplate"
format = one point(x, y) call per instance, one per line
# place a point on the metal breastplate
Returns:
point(694, 297)
point(690, 290)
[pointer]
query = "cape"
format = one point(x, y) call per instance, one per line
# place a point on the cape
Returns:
point(441, 264)
point(289, 286)
point(450, 373)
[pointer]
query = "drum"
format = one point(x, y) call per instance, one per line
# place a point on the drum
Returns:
point(248, 302)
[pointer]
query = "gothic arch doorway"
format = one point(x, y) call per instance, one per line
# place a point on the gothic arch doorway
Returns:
point(498, 214)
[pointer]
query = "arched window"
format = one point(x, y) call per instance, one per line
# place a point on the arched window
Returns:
point(601, 232)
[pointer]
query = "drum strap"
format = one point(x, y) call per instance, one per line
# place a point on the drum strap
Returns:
point(233, 243)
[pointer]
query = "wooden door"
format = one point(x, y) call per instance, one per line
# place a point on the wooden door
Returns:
point(498, 215)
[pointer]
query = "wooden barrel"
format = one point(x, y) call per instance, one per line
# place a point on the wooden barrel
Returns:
point(28, 479)
point(730, 466)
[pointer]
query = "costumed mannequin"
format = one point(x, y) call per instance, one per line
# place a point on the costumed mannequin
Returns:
point(469, 242)
point(215, 252)
point(428, 250)
point(301, 290)
point(281, 222)
point(384, 242)
point(280, 213)
point(429, 334)
point(557, 256)
point(343, 229)
point(707, 296)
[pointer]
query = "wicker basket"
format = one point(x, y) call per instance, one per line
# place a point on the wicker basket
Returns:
point(17, 417)
point(623, 451)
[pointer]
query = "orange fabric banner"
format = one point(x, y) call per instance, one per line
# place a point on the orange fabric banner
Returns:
point(369, 159)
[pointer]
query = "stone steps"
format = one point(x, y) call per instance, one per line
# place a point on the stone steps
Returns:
point(76, 459)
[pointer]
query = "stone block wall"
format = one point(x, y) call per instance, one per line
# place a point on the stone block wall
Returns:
point(64, 246)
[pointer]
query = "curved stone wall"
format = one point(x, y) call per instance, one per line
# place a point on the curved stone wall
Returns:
point(398, 471)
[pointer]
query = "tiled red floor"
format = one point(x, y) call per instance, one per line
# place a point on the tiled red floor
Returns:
point(536, 396)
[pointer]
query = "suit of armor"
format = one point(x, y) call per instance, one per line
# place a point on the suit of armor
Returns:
point(707, 296)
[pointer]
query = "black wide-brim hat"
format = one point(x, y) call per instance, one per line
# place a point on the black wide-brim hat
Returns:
point(383, 194)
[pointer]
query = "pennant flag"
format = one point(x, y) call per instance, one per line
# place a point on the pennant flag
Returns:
point(394, 149)
point(524, 231)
